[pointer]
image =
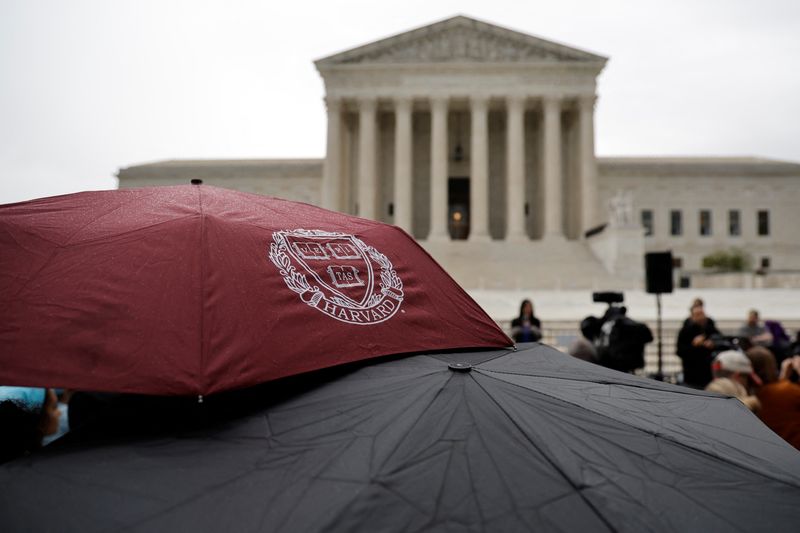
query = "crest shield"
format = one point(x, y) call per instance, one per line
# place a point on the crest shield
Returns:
point(338, 274)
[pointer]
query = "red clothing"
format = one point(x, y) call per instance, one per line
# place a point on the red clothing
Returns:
point(780, 409)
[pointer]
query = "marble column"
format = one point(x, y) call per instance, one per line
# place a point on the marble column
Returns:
point(366, 158)
point(438, 229)
point(479, 170)
point(553, 224)
point(515, 169)
point(588, 163)
point(403, 201)
point(331, 174)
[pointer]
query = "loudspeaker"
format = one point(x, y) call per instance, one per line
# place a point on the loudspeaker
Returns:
point(658, 268)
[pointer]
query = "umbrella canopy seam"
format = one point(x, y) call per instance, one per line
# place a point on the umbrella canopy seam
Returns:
point(578, 489)
point(60, 246)
point(688, 391)
point(201, 332)
point(643, 430)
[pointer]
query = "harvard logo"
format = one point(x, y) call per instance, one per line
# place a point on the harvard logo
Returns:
point(336, 274)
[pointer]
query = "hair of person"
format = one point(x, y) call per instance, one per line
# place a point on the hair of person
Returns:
point(21, 430)
point(522, 307)
point(764, 364)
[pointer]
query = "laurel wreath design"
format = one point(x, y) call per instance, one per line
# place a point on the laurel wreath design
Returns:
point(295, 280)
point(391, 284)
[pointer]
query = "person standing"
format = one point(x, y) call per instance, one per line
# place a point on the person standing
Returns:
point(526, 327)
point(695, 348)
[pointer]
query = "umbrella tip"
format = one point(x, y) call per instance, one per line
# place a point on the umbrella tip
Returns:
point(460, 367)
point(197, 182)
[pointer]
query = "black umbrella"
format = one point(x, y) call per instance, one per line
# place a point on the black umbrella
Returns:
point(482, 441)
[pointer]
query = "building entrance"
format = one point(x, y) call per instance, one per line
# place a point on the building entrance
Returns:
point(458, 208)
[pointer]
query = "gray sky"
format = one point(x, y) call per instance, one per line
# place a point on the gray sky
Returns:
point(87, 87)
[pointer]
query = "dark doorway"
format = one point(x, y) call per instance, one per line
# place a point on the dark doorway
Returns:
point(458, 208)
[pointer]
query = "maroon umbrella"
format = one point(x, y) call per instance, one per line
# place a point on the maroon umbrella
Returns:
point(195, 289)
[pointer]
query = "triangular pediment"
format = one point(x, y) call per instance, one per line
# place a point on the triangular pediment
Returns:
point(460, 39)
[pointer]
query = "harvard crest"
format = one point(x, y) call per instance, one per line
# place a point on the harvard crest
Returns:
point(338, 274)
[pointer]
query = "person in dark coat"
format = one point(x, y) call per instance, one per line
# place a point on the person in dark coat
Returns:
point(526, 327)
point(695, 348)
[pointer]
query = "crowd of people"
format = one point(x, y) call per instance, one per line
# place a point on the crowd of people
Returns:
point(759, 364)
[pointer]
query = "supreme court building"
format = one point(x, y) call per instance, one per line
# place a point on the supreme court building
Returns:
point(479, 142)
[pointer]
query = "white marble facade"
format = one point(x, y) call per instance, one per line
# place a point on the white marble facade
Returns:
point(479, 141)
point(508, 115)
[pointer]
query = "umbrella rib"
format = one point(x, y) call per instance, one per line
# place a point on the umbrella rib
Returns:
point(422, 413)
point(494, 463)
point(688, 391)
point(552, 463)
point(58, 246)
point(202, 291)
point(98, 217)
point(643, 430)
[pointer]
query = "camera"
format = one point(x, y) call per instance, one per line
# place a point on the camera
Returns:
point(608, 297)
point(618, 340)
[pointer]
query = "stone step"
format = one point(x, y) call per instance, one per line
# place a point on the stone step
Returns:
point(502, 265)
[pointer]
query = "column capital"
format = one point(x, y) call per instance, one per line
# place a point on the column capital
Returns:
point(478, 101)
point(551, 101)
point(367, 103)
point(516, 101)
point(333, 103)
point(587, 101)
point(439, 102)
point(402, 103)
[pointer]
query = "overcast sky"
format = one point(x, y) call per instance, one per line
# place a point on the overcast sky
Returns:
point(87, 87)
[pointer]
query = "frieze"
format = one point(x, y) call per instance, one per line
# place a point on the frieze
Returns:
point(460, 44)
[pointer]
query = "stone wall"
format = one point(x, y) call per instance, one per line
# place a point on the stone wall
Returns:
point(718, 185)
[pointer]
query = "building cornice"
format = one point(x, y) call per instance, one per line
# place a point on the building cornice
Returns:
point(696, 166)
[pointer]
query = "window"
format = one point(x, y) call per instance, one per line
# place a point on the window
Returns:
point(677, 262)
point(763, 222)
point(765, 262)
point(647, 222)
point(734, 223)
point(675, 223)
point(705, 222)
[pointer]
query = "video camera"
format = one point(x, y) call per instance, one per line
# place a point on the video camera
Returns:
point(619, 341)
point(608, 297)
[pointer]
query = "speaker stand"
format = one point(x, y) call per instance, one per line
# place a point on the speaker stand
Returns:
point(660, 373)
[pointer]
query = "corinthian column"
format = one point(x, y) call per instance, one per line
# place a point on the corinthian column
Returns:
point(331, 174)
point(515, 169)
point(588, 163)
point(553, 226)
point(479, 170)
point(438, 229)
point(403, 214)
point(366, 158)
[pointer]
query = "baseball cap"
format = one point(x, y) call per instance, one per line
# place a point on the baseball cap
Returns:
point(735, 361)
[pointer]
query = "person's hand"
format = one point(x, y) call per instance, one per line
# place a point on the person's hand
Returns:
point(709, 344)
point(699, 340)
point(788, 365)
